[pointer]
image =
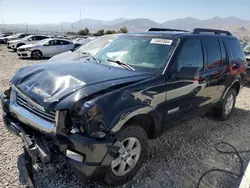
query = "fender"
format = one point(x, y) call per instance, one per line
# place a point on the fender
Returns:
point(229, 87)
point(133, 111)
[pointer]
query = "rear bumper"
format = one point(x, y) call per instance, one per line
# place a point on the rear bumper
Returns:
point(96, 154)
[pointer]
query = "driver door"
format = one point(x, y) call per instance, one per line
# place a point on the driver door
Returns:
point(184, 96)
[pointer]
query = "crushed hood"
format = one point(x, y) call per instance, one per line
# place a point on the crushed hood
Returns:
point(67, 56)
point(49, 84)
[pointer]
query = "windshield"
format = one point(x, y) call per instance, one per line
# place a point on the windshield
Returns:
point(145, 53)
point(41, 42)
point(27, 37)
point(16, 35)
point(96, 45)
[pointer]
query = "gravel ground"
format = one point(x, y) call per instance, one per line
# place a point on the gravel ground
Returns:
point(176, 159)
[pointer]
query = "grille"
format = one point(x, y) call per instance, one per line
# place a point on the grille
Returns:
point(21, 50)
point(22, 101)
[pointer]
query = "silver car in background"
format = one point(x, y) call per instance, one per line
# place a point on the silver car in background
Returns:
point(14, 37)
point(90, 48)
point(45, 48)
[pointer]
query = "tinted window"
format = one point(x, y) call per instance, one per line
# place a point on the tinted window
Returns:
point(191, 55)
point(223, 53)
point(213, 53)
point(235, 51)
point(64, 42)
point(53, 42)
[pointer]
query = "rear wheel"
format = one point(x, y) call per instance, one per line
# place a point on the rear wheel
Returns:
point(224, 111)
point(130, 156)
point(36, 54)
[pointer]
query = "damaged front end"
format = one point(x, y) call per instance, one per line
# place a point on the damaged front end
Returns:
point(79, 139)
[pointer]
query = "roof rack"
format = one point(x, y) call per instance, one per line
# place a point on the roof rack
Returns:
point(166, 29)
point(215, 31)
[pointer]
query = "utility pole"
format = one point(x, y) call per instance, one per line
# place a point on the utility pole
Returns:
point(3, 27)
point(26, 28)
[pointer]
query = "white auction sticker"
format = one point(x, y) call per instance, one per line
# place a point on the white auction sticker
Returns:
point(161, 41)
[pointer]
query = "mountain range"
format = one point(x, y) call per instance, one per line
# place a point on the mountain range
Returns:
point(232, 24)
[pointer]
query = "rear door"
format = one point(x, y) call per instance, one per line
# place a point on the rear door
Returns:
point(50, 48)
point(217, 66)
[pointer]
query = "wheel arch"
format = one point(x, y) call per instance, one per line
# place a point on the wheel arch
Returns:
point(146, 116)
point(235, 85)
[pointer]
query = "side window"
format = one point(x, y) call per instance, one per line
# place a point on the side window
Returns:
point(213, 53)
point(21, 36)
point(65, 42)
point(53, 42)
point(33, 38)
point(191, 55)
point(223, 53)
point(236, 53)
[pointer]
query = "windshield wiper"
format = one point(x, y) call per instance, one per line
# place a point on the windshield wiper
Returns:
point(121, 63)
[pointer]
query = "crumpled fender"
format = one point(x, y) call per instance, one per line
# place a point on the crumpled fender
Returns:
point(133, 111)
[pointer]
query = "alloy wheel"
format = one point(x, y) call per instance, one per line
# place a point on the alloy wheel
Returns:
point(128, 156)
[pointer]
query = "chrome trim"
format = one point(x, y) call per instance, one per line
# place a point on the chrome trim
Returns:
point(28, 99)
point(173, 110)
point(29, 118)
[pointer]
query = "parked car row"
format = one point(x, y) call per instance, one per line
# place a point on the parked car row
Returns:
point(100, 112)
point(37, 46)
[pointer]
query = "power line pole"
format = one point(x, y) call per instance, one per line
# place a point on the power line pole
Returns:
point(3, 27)
point(26, 28)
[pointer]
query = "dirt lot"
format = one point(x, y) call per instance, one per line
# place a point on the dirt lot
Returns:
point(177, 159)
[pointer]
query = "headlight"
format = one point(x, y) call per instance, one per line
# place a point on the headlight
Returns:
point(87, 120)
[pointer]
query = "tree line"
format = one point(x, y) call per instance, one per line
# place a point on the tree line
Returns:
point(100, 32)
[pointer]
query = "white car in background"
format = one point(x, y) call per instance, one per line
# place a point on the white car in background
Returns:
point(45, 48)
point(30, 39)
point(15, 37)
point(81, 41)
point(88, 49)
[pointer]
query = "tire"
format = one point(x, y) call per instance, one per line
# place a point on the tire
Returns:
point(128, 135)
point(226, 108)
point(36, 54)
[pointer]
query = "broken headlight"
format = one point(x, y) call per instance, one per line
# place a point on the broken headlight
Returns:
point(86, 119)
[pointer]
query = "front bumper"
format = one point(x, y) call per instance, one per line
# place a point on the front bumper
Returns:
point(96, 154)
point(25, 53)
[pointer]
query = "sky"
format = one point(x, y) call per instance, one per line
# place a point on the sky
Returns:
point(57, 11)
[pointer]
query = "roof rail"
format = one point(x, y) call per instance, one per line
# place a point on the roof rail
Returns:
point(166, 29)
point(215, 31)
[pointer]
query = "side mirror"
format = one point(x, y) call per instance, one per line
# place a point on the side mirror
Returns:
point(187, 73)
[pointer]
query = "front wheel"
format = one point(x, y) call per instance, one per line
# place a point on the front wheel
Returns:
point(36, 54)
point(130, 156)
point(224, 111)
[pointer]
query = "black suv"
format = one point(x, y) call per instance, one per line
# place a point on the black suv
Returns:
point(100, 113)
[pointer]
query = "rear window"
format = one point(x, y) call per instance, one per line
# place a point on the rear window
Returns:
point(235, 51)
point(213, 53)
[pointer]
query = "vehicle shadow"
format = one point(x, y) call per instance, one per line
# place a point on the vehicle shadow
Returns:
point(176, 159)
point(30, 59)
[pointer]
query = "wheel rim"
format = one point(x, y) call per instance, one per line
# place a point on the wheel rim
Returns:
point(128, 156)
point(36, 54)
point(229, 104)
